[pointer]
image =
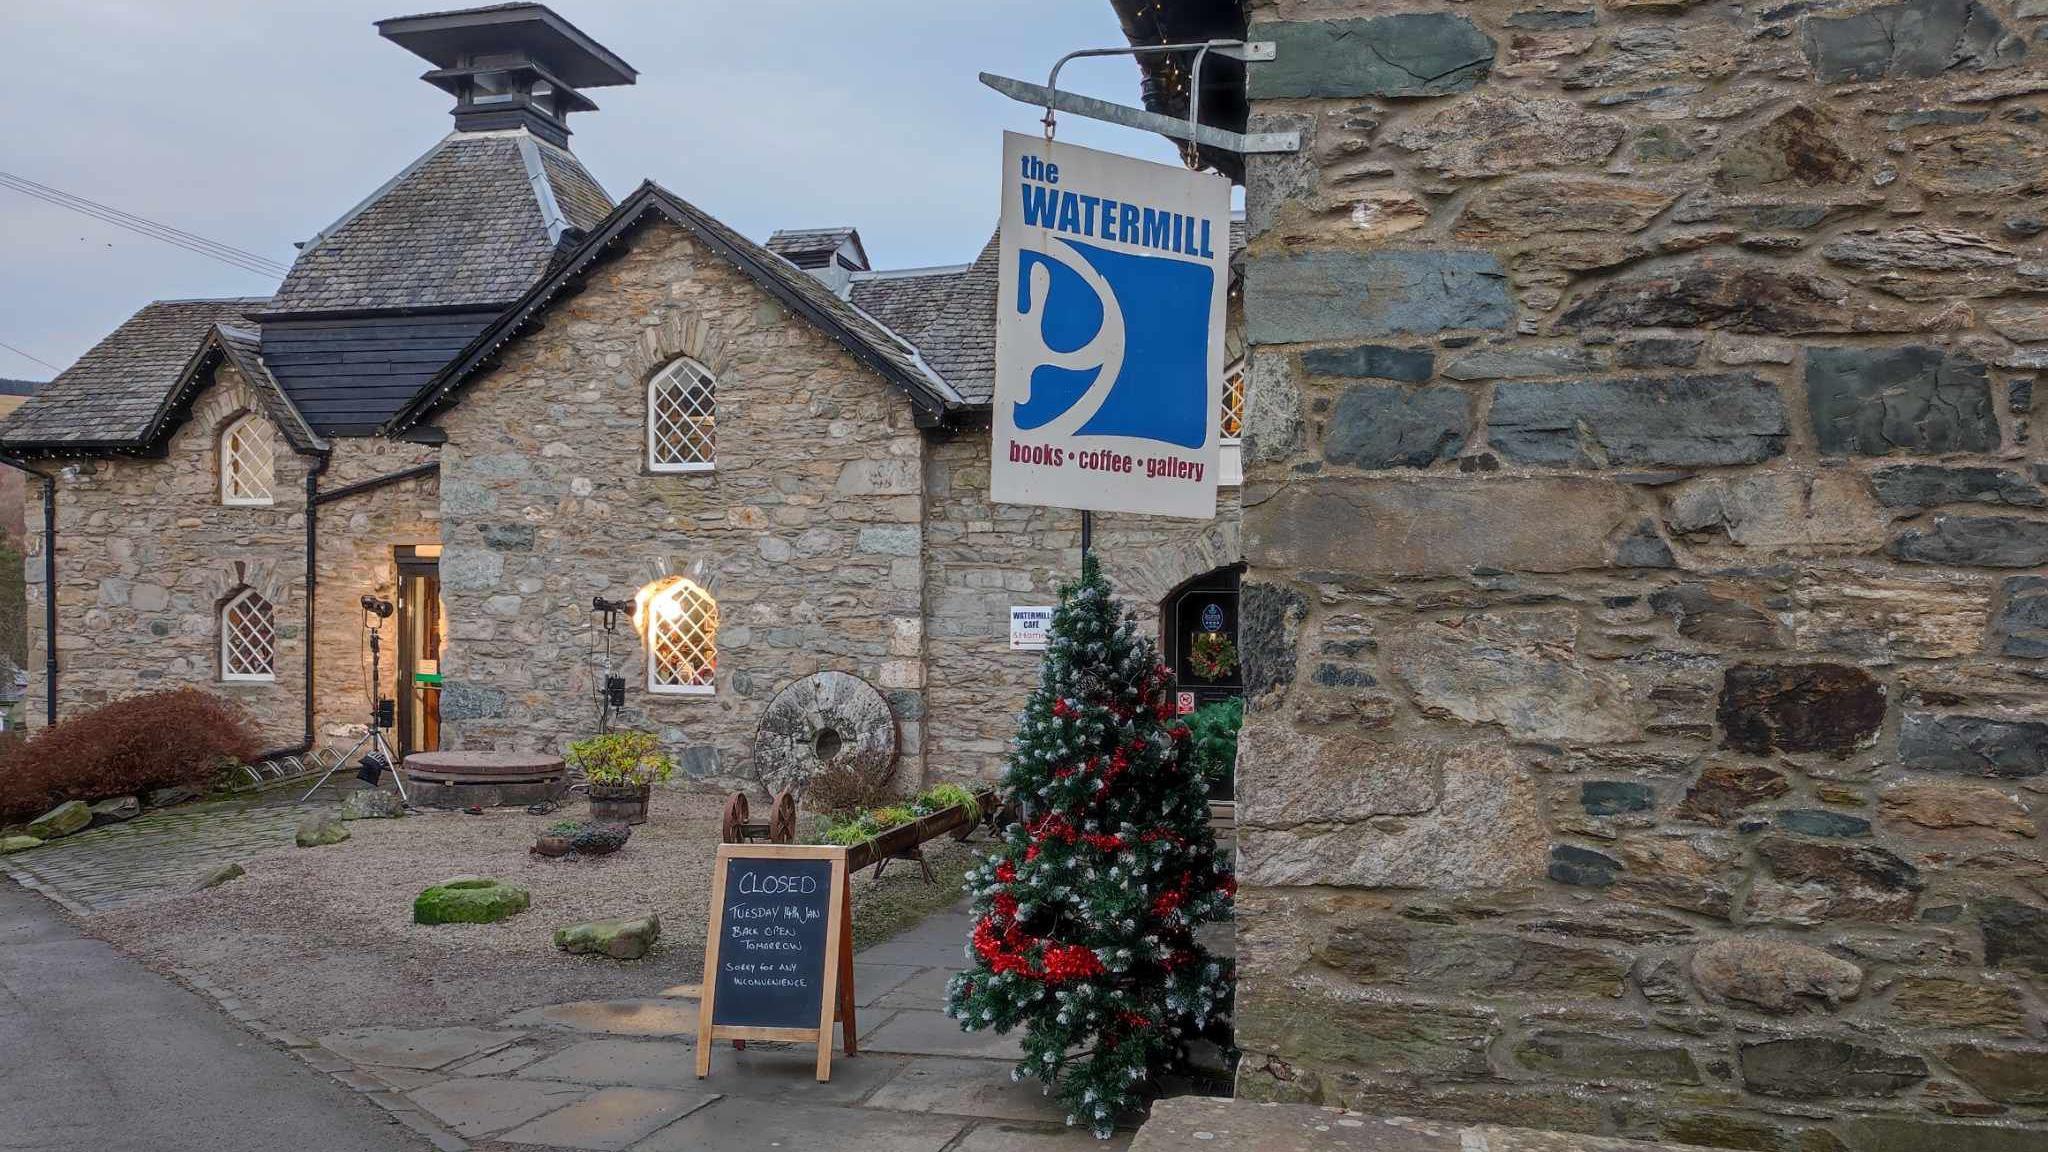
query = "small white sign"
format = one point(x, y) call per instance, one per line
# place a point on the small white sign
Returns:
point(1109, 331)
point(1029, 628)
point(1184, 703)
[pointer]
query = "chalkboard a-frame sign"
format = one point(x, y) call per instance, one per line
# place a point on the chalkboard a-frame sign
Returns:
point(778, 964)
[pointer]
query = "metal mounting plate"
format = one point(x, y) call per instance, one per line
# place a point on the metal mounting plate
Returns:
point(1040, 96)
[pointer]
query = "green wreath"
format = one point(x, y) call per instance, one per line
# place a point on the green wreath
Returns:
point(1212, 655)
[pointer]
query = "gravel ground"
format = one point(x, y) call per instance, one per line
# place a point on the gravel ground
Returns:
point(322, 938)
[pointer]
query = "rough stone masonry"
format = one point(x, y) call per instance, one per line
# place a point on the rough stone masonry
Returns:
point(1647, 621)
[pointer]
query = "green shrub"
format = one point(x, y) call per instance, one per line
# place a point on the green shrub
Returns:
point(630, 758)
point(1213, 748)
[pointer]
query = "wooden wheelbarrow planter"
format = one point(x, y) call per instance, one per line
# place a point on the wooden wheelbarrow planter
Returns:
point(906, 841)
point(903, 842)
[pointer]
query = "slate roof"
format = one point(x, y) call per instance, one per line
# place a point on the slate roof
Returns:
point(244, 348)
point(949, 314)
point(812, 247)
point(117, 394)
point(798, 290)
point(464, 225)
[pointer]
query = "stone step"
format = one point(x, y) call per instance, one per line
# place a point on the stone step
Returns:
point(1215, 1124)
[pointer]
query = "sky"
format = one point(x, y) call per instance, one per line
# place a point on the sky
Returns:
point(257, 123)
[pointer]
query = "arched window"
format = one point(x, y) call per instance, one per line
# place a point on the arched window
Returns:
point(680, 622)
point(245, 462)
point(248, 638)
point(682, 408)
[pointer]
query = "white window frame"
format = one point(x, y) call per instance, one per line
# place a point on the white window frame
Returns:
point(1230, 449)
point(673, 374)
point(247, 438)
point(680, 590)
point(227, 646)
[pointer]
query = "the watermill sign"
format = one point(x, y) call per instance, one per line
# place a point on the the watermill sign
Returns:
point(1109, 331)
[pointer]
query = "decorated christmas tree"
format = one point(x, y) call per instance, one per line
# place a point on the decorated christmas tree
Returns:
point(1087, 908)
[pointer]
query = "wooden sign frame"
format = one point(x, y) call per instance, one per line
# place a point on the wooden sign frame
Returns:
point(836, 1001)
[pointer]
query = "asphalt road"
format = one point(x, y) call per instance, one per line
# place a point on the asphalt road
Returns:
point(99, 1055)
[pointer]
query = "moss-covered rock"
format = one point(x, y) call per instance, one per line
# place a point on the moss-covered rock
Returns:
point(319, 830)
point(469, 900)
point(63, 820)
point(12, 844)
point(619, 939)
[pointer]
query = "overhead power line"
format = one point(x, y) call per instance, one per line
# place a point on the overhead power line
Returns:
point(29, 356)
point(142, 225)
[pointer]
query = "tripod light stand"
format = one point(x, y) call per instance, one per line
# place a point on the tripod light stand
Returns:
point(382, 711)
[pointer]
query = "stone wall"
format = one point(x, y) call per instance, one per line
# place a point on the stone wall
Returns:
point(809, 529)
point(357, 550)
point(1646, 611)
point(147, 553)
point(982, 558)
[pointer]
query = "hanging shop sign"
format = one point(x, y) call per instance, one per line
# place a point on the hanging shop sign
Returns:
point(1029, 628)
point(778, 963)
point(1109, 331)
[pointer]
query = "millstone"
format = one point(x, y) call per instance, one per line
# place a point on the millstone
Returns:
point(829, 719)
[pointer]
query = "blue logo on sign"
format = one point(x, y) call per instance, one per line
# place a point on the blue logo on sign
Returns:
point(1125, 343)
point(1212, 617)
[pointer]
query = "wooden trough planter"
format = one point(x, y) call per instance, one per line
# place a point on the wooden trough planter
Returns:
point(903, 842)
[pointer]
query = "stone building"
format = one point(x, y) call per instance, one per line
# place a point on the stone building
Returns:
point(493, 397)
point(1645, 522)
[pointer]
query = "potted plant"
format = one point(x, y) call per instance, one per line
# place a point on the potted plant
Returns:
point(622, 768)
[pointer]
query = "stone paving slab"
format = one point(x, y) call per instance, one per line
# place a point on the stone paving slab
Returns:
point(917, 953)
point(990, 1137)
point(933, 1033)
point(420, 1048)
point(871, 982)
point(610, 1119)
point(498, 1063)
point(633, 1063)
point(475, 1107)
point(615, 1017)
point(950, 1086)
point(925, 990)
point(791, 1073)
point(747, 1126)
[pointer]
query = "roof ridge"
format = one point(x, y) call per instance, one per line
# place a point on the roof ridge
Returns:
point(881, 348)
point(905, 273)
point(551, 217)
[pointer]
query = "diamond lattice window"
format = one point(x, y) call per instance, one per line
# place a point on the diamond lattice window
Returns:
point(682, 409)
point(681, 624)
point(245, 462)
point(1233, 404)
point(248, 638)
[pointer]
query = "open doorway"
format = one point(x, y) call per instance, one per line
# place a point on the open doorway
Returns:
point(419, 649)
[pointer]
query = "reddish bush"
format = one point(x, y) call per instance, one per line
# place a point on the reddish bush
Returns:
point(125, 748)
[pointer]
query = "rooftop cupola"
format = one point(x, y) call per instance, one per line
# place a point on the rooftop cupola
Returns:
point(509, 65)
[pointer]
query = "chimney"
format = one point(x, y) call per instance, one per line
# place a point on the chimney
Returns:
point(510, 66)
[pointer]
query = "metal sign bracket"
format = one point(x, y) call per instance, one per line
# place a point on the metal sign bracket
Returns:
point(1049, 97)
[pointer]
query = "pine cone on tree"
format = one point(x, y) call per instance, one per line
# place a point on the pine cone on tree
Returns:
point(1086, 909)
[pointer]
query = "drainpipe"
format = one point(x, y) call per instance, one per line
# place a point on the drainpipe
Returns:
point(49, 581)
point(313, 474)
